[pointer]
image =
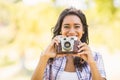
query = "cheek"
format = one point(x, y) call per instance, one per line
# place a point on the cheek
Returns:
point(64, 31)
point(80, 34)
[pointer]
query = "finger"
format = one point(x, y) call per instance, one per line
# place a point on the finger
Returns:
point(81, 45)
point(81, 53)
point(82, 49)
point(61, 55)
point(79, 41)
point(76, 55)
point(56, 40)
point(53, 55)
point(84, 57)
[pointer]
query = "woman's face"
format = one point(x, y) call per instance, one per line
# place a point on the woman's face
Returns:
point(72, 26)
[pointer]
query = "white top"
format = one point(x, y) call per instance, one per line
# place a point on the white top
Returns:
point(68, 76)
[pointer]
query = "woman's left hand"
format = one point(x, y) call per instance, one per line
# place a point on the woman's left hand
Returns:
point(85, 52)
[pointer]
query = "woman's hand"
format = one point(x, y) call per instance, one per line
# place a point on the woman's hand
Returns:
point(85, 52)
point(50, 51)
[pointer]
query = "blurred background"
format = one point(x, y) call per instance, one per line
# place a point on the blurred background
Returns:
point(25, 30)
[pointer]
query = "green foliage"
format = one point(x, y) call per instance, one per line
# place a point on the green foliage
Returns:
point(105, 9)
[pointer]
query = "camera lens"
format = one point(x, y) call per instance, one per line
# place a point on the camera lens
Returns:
point(67, 44)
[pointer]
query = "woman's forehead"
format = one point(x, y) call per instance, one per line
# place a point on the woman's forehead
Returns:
point(71, 18)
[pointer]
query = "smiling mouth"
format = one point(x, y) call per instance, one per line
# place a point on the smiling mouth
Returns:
point(72, 35)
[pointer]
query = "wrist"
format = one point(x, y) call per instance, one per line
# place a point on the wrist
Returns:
point(45, 56)
point(91, 59)
point(91, 62)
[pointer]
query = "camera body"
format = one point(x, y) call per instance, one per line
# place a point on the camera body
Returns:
point(67, 45)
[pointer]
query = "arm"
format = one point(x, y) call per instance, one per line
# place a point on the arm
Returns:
point(39, 71)
point(48, 53)
point(95, 72)
point(86, 54)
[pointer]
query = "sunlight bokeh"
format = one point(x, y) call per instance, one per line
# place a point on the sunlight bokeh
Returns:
point(25, 31)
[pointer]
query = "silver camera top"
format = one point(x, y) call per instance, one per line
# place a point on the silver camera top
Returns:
point(70, 37)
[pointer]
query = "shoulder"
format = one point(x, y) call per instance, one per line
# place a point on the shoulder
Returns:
point(96, 55)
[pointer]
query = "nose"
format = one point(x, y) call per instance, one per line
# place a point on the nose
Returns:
point(72, 32)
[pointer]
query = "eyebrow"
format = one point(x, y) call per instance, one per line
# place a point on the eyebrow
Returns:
point(74, 24)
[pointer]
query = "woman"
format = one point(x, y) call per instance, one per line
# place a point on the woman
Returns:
point(84, 65)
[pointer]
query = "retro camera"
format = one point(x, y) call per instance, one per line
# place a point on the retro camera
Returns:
point(68, 45)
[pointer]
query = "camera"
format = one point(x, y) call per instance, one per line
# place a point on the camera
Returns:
point(67, 45)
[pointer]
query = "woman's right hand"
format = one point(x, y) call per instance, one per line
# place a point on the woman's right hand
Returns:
point(50, 51)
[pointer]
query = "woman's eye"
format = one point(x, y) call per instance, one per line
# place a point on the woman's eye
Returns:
point(77, 26)
point(66, 26)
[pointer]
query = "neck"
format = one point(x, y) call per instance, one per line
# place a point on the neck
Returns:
point(70, 64)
